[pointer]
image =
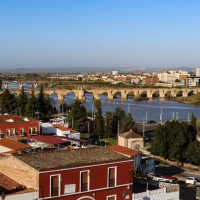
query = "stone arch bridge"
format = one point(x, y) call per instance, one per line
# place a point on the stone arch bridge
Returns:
point(124, 93)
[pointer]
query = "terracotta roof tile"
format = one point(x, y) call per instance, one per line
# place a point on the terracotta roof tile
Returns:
point(130, 134)
point(24, 191)
point(60, 127)
point(16, 119)
point(124, 150)
point(8, 185)
point(12, 144)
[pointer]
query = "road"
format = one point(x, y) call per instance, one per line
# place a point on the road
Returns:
point(186, 192)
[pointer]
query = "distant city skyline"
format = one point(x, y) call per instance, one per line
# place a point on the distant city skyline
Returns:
point(96, 34)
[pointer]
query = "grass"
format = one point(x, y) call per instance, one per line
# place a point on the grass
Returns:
point(95, 140)
point(147, 144)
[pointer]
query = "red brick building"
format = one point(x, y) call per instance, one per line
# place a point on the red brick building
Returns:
point(18, 125)
point(82, 174)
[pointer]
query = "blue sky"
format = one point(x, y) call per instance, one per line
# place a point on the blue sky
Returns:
point(105, 33)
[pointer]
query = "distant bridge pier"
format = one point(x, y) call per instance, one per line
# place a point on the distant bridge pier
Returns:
point(123, 95)
point(5, 85)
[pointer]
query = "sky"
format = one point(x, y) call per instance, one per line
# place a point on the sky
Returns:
point(105, 33)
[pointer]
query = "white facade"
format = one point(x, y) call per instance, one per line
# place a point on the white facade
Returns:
point(114, 72)
point(197, 71)
point(192, 81)
point(23, 196)
point(47, 128)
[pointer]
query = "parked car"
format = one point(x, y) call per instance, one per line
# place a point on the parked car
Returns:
point(161, 179)
point(197, 183)
point(191, 180)
point(151, 122)
point(171, 177)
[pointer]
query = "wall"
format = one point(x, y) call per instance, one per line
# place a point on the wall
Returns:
point(23, 196)
point(148, 167)
point(75, 135)
point(47, 128)
point(120, 141)
point(134, 141)
point(19, 171)
point(17, 126)
point(98, 181)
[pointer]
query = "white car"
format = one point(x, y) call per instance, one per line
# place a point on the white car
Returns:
point(191, 180)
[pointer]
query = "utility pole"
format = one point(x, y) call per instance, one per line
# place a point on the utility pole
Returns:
point(118, 127)
point(146, 117)
point(143, 128)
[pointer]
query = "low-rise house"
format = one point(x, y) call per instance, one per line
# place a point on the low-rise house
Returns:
point(81, 174)
point(18, 125)
point(131, 153)
point(131, 140)
point(8, 145)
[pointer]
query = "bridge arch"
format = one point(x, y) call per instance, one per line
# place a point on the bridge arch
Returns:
point(89, 96)
point(70, 96)
point(190, 93)
point(130, 94)
point(117, 94)
point(179, 93)
point(156, 94)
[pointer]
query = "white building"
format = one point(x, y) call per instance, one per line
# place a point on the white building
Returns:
point(192, 81)
point(197, 71)
point(114, 72)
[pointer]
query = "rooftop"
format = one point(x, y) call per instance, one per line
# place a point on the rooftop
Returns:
point(8, 185)
point(64, 128)
point(124, 150)
point(12, 144)
point(46, 139)
point(130, 134)
point(54, 159)
point(7, 119)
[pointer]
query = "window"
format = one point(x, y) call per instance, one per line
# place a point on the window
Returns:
point(34, 130)
point(84, 183)
point(112, 197)
point(12, 131)
point(30, 131)
point(7, 132)
point(112, 177)
point(55, 185)
point(21, 131)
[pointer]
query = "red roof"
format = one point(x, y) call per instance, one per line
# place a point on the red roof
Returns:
point(47, 139)
point(8, 185)
point(124, 150)
point(12, 144)
point(60, 127)
point(7, 119)
point(72, 139)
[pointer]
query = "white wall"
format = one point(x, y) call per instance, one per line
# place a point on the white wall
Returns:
point(47, 128)
point(61, 133)
point(23, 196)
point(149, 167)
point(75, 135)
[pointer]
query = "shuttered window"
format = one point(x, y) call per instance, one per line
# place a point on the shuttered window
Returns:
point(111, 178)
point(84, 181)
point(55, 190)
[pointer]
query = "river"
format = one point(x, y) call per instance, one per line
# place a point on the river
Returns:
point(139, 109)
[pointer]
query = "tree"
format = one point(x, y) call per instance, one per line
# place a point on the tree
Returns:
point(177, 80)
point(192, 153)
point(108, 124)
point(8, 102)
point(0, 84)
point(78, 115)
point(98, 121)
point(127, 123)
point(193, 121)
point(118, 115)
point(31, 106)
point(44, 105)
point(21, 102)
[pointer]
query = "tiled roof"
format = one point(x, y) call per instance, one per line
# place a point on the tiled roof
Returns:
point(46, 139)
point(62, 158)
point(124, 150)
point(64, 128)
point(12, 144)
point(4, 119)
point(60, 127)
point(130, 134)
point(8, 185)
